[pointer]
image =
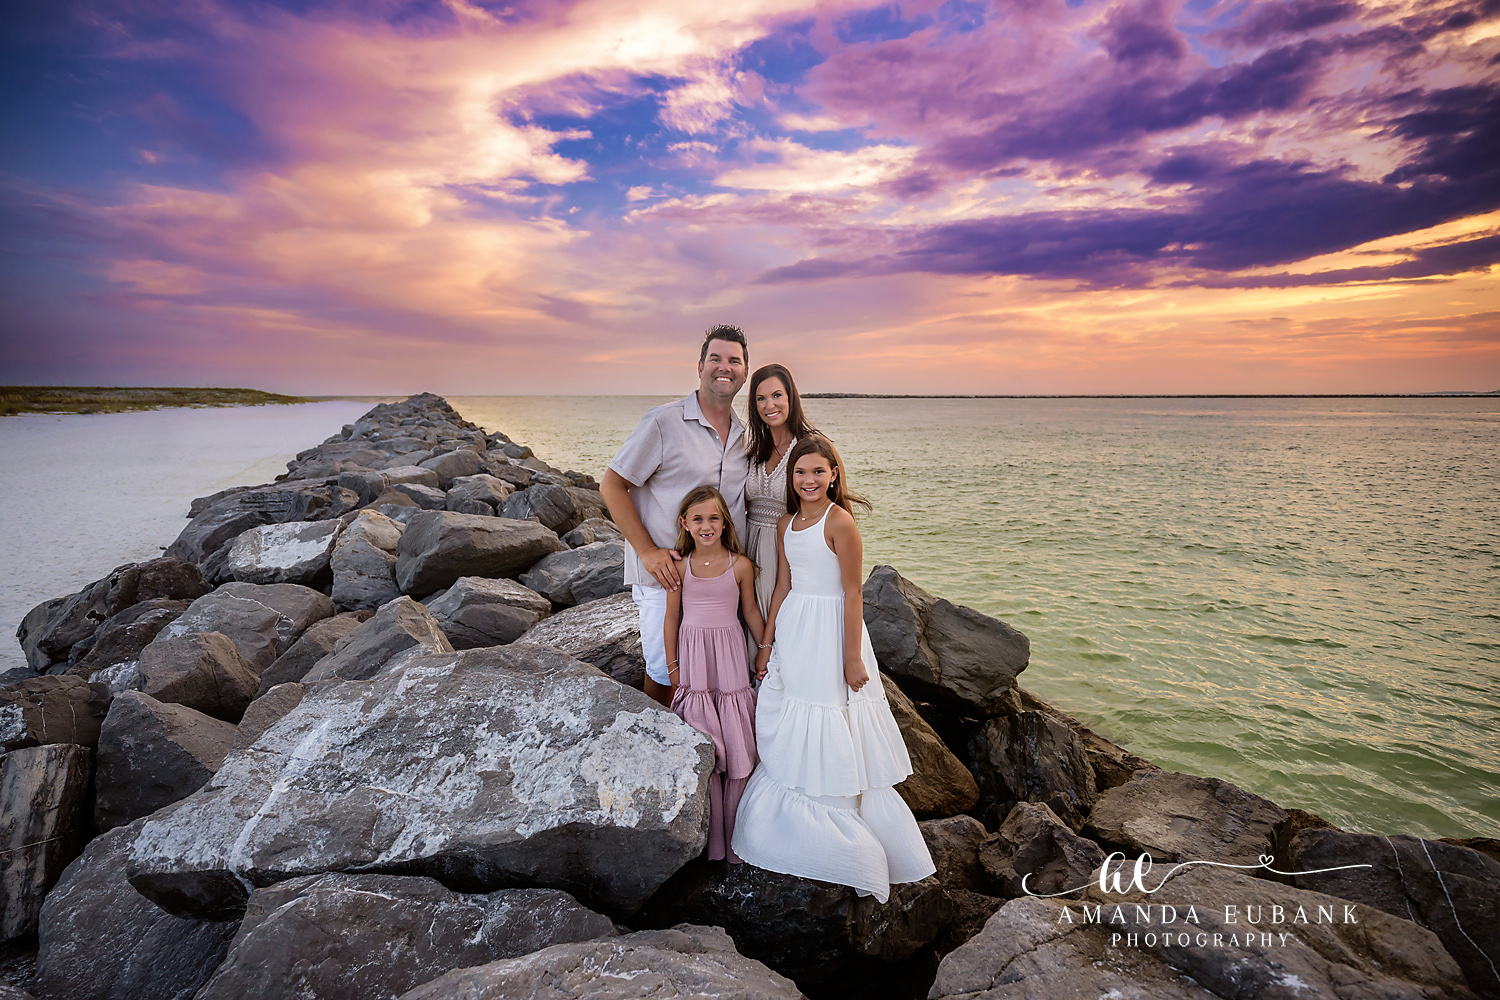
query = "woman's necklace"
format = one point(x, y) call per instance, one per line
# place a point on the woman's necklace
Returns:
point(776, 453)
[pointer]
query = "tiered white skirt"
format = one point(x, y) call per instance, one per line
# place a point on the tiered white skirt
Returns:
point(821, 803)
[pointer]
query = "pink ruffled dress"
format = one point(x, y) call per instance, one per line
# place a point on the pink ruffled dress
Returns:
point(714, 695)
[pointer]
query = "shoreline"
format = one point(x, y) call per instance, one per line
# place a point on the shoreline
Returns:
point(18, 400)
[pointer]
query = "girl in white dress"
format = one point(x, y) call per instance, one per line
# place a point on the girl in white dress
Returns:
point(820, 803)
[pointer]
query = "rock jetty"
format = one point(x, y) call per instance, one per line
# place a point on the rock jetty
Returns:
point(375, 730)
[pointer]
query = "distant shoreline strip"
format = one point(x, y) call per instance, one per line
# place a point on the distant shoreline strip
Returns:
point(1492, 394)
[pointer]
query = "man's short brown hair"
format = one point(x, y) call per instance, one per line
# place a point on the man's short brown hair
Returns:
point(724, 331)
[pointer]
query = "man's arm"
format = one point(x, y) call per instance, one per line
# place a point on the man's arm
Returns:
point(659, 562)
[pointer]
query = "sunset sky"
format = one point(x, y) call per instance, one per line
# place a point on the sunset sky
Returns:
point(1039, 196)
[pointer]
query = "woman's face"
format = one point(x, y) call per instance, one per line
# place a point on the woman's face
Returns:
point(772, 402)
point(704, 522)
point(811, 477)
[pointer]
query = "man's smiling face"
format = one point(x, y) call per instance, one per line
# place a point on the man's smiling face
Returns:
point(723, 370)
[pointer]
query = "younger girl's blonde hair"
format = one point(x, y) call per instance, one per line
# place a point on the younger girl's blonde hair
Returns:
point(695, 496)
point(838, 491)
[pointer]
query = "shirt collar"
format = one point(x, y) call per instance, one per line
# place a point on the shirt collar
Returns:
point(692, 411)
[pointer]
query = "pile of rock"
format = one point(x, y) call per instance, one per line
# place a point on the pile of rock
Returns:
point(376, 729)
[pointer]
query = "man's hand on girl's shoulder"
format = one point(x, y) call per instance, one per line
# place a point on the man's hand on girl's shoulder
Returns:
point(662, 565)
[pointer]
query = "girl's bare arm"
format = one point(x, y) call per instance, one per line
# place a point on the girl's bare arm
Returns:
point(669, 629)
point(783, 580)
point(843, 538)
point(744, 575)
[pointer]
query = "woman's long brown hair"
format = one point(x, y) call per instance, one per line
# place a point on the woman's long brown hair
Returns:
point(838, 490)
point(761, 444)
point(695, 496)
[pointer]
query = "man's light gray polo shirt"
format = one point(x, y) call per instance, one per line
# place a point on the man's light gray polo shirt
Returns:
point(673, 449)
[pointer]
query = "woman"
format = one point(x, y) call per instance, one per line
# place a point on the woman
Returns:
point(776, 422)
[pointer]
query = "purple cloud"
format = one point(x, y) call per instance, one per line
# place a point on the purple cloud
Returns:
point(1241, 215)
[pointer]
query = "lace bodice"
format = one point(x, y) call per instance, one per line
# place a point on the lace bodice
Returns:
point(765, 492)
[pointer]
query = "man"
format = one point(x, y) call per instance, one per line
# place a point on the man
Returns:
point(694, 441)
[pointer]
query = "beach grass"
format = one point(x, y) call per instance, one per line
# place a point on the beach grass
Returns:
point(16, 399)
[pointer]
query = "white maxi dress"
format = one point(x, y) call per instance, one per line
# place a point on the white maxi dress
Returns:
point(820, 803)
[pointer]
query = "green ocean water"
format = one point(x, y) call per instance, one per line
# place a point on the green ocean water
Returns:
point(1298, 595)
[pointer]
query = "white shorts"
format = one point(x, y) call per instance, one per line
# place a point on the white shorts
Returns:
point(652, 603)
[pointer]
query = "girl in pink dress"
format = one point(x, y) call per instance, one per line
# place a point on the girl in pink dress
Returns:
point(706, 658)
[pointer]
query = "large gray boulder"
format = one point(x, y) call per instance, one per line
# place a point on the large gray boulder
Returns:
point(121, 638)
point(1451, 890)
point(166, 578)
point(316, 643)
point(265, 711)
point(336, 935)
point(398, 627)
point(1035, 847)
point(451, 465)
point(1031, 757)
point(203, 671)
point(255, 629)
point(954, 843)
point(58, 708)
point(605, 633)
point(1113, 765)
point(49, 631)
point(33, 627)
point(62, 629)
point(1047, 948)
point(483, 489)
point(487, 768)
point(943, 652)
point(399, 475)
point(560, 508)
point(261, 620)
point(295, 552)
point(939, 785)
point(224, 520)
point(366, 484)
point(685, 961)
point(815, 932)
point(298, 606)
point(99, 939)
point(364, 562)
point(595, 529)
point(424, 497)
point(1182, 817)
point(152, 754)
point(577, 576)
point(440, 546)
point(44, 823)
point(501, 467)
point(476, 612)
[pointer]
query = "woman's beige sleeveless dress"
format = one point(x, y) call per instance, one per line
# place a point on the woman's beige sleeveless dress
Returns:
point(765, 504)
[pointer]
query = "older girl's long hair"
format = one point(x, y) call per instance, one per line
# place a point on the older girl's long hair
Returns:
point(761, 444)
point(695, 496)
point(838, 491)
